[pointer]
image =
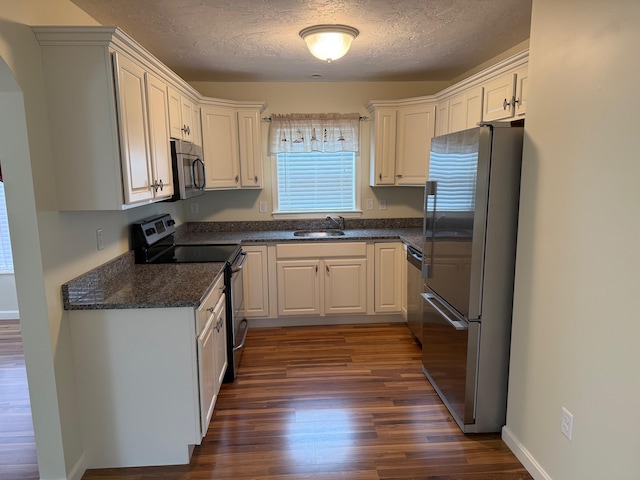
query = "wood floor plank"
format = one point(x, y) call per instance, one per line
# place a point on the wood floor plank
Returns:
point(334, 402)
point(18, 459)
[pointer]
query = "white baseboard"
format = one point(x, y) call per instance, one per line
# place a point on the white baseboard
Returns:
point(78, 469)
point(525, 457)
point(9, 315)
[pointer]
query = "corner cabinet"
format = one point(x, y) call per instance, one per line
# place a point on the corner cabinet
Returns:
point(107, 100)
point(401, 135)
point(232, 144)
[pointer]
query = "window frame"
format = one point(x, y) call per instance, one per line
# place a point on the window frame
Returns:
point(356, 212)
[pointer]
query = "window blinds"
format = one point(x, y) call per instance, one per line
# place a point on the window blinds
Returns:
point(6, 257)
point(316, 182)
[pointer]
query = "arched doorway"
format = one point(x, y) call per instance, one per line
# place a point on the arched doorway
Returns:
point(29, 274)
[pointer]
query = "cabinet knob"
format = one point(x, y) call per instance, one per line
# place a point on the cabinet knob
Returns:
point(328, 270)
point(516, 100)
point(237, 178)
point(210, 309)
point(161, 185)
point(380, 176)
point(398, 176)
point(255, 179)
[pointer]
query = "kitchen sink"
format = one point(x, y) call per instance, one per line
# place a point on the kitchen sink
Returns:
point(318, 233)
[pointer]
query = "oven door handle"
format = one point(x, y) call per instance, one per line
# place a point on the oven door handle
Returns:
point(240, 264)
point(244, 336)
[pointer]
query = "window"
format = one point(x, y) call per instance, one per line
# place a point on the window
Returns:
point(6, 258)
point(316, 182)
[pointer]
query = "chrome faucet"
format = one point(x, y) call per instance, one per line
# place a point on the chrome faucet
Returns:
point(339, 222)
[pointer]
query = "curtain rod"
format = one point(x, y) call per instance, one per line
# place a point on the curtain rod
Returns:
point(362, 119)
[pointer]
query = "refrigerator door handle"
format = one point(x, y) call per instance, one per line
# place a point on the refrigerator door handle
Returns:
point(430, 190)
point(458, 323)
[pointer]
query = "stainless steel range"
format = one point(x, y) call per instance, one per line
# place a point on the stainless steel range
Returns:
point(154, 242)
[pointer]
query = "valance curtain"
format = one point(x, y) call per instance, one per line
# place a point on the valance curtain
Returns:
point(314, 132)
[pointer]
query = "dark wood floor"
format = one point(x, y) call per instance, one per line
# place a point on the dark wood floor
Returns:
point(17, 445)
point(334, 402)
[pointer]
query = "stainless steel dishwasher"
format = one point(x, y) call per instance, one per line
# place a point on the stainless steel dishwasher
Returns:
point(414, 289)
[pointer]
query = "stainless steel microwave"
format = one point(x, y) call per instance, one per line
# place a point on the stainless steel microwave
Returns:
point(189, 173)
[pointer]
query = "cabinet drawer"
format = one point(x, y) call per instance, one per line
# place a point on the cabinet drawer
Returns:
point(206, 308)
point(318, 250)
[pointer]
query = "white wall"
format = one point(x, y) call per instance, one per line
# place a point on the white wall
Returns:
point(576, 322)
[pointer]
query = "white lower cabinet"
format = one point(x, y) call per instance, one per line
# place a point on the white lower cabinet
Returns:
point(388, 279)
point(146, 380)
point(321, 278)
point(255, 279)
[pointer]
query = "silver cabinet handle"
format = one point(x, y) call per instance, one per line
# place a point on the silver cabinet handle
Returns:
point(237, 178)
point(210, 309)
point(328, 270)
point(512, 103)
point(161, 185)
point(255, 179)
point(380, 176)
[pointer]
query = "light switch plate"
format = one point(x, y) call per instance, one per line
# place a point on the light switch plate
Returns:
point(369, 203)
point(100, 239)
point(263, 207)
point(383, 203)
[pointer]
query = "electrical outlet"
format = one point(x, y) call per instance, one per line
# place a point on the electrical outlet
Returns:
point(369, 203)
point(383, 203)
point(100, 239)
point(263, 207)
point(566, 427)
point(194, 208)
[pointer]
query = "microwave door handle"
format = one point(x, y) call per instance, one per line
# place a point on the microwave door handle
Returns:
point(455, 322)
point(430, 190)
point(194, 180)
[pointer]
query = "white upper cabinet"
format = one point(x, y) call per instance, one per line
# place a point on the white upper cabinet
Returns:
point(250, 148)
point(505, 96)
point(182, 115)
point(465, 110)
point(158, 108)
point(134, 132)
point(232, 145)
point(108, 105)
point(416, 126)
point(401, 135)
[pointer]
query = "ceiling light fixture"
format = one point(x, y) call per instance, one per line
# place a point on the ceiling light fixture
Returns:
point(329, 42)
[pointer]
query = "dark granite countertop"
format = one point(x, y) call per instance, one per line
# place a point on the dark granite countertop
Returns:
point(123, 284)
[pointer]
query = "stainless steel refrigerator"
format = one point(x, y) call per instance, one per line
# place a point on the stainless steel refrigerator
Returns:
point(470, 224)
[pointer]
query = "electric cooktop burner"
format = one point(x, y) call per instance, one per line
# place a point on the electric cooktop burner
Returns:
point(204, 253)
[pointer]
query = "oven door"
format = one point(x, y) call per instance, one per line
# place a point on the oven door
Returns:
point(237, 324)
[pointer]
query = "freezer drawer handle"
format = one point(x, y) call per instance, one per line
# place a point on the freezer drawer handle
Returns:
point(457, 324)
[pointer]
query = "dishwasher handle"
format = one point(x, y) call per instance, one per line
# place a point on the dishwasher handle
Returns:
point(452, 318)
point(414, 257)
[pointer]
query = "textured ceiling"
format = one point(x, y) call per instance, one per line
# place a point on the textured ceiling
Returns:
point(257, 40)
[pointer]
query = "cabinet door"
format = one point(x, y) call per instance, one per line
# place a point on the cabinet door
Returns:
point(522, 79)
point(157, 98)
point(383, 147)
point(298, 287)
point(442, 118)
point(499, 94)
point(187, 108)
point(256, 282)
point(250, 148)
point(134, 136)
point(345, 286)
point(196, 132)
point(403, 281)
point(175, 114)
point(465, 110)
point(387, 277)
point(416, 125)
point(220, 147)
point(206, 346)
point(221, 361)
